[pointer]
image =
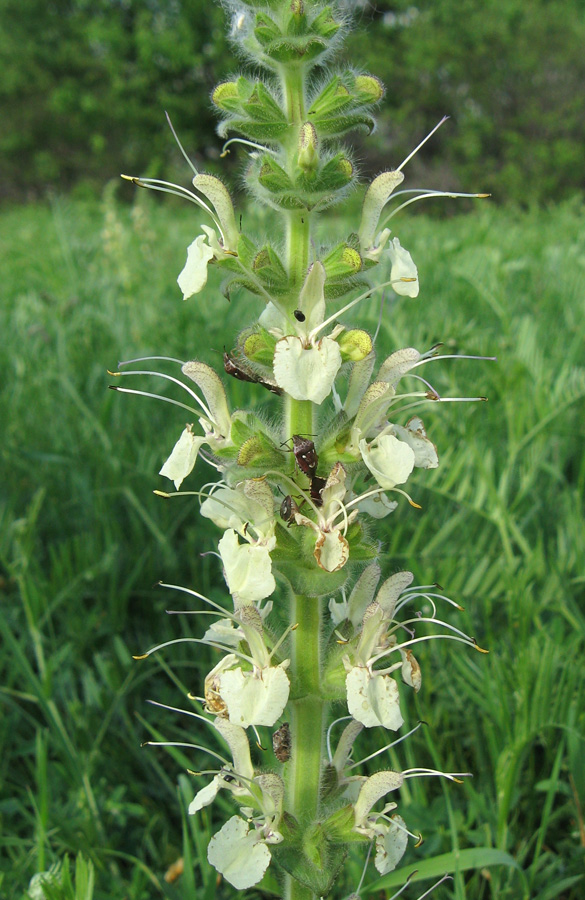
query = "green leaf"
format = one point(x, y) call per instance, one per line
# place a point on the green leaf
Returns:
point(447, 863)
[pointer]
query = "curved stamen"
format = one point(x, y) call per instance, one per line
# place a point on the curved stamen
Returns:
point(426, 359)
point(379, 287)
point(189, 640)
point(167, 378)
point(335, 722)
point(185, 712)
point(418, 619)
point(386, 747)
point(225, 151)
point(428, 195)
point(123, 390)
point(451, 776)
point(185, 744)
point(176, 137)
point(156, 184)
point(361, 497)
point(185, 590)
point(404, 886)
point(129, 362)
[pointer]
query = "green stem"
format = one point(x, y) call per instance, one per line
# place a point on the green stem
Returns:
point(293, 89)
point(298, 241)
point(298, 222)
point(298, 417)
point(308, 712)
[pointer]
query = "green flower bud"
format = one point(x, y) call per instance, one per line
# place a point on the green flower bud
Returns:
point(355, 345)
point(259, 347)
point(368, 89)
point(295, 50)
point(342, 261)
point(226, 97)
point(338, 828)
point(308, 157)
point(268, 266)
point(258, 452)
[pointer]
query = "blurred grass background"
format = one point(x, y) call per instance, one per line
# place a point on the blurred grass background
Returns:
point(83, 539)
point(88, 273)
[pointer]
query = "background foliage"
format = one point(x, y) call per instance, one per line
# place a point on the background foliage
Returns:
point(85, 82)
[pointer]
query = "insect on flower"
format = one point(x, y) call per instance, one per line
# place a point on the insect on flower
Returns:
point(236, 370)
point(305, 455)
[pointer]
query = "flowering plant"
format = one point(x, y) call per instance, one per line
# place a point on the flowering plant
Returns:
point(311, 629)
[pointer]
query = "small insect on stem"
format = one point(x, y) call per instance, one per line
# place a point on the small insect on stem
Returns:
point(281, 742)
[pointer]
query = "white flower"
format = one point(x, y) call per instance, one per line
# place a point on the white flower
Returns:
point(391, 841)
point(331, 547)
point(255, 698)
point(389, 833)
point(306, 373)
point(239, 854)
point(183, 457)
point(216, 424)
point(373, 699)
point(375, 199)
point(228, 777)
point(389, 460)
point(402, 267)
point(247, 567)
point(193, 277)
point(414, 434)
point(249, 505)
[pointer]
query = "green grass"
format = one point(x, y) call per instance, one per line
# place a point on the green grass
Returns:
point(83, 539)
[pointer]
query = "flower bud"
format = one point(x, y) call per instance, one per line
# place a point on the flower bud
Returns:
point(368, 88)
point(308, 156)
point(342, 261)
point(259, 347)
point(376, 198)
point(355, 345)
point(226, 96)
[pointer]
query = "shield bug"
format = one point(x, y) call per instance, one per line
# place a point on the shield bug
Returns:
point(317, 485)
point(288, 508)
point(305, 454)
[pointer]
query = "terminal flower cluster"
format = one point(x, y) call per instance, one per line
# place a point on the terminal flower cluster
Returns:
point(311, 624)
